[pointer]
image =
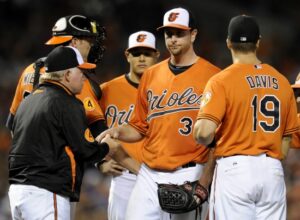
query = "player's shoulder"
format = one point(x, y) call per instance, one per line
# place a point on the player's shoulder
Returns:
point(207, 64)
point(155, 69)
point(28, 69)
point(113, 82)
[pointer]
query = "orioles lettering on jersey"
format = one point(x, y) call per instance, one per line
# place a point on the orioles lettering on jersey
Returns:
point(116, 117)
point(187, 100)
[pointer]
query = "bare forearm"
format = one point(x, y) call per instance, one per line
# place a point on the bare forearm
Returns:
point(285, 145)
point(126, 161)
point(208, 171)
point(127, 133)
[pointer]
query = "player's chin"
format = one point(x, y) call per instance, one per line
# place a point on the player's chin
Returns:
point(140, 70)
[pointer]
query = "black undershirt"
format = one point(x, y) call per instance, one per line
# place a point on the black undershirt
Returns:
point(178, 69)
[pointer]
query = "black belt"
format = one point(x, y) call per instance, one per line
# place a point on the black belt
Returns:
point(189, 164)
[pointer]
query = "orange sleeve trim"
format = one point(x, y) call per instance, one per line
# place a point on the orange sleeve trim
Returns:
point(91, 121)
point(73, 165)
point(209, 117)
point(291, 131)
point(138, 128)
point(55, 206)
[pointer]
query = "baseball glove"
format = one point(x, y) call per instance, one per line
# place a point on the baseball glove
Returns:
point(183, 198)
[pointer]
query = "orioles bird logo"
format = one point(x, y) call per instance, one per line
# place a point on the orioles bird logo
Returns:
point(173, 16)
point(141, 38)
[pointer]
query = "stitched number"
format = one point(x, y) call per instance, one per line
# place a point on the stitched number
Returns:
point(269, 108)
point(187, 126)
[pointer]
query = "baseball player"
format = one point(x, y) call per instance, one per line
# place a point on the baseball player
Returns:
point(118, 102)
point(167, 104)
point(296, 136)
point(86, 35)
point(51, 142)
point(80, 32)
point(254, 109)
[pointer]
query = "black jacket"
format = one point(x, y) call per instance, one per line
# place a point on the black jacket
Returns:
point(52, 141)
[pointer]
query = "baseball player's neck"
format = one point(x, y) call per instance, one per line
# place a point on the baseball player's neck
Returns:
point(244, 58)
point(186, 59)
point(134, 77)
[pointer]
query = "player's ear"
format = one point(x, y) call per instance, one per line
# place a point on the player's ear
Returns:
point(194, 35)
point(127, 55)
point(74, 42)
point(257, 44)
point(157, 54)
point(229, 45)
point(67, 75)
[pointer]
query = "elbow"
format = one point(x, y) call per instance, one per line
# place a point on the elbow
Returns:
point(202, 136)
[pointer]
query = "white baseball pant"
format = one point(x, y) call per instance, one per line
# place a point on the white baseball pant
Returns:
point(119, 193)
point(29, 202)
point(248, 188)
point(143, 202)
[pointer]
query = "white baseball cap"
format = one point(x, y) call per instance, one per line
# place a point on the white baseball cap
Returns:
point(177, 18)
point(141, 39)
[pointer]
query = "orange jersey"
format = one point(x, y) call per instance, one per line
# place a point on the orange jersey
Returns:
point(166, 108)
point(87, 96)
point(118, 102)
point(296, 137)
point(254, 106)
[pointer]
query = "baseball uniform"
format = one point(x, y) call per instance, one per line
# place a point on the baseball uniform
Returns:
point(166, 107)
point(87, 96)
point(254, 107)
point(118, 102)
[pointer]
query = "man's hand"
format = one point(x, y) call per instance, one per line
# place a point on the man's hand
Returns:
point(114, 145)
point(113, 132)
point(111, 167)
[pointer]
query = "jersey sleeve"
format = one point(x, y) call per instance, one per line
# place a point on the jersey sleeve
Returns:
point(79, 136)
point(20, 93)
point(213, 102)
point(139, 117)
point(92, 108)
point(292, 121)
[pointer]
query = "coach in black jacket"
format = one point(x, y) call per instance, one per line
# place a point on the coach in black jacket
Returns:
point(52, 141)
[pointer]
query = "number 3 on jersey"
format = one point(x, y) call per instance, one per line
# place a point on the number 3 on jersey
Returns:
point(187, 126)
point(269, 108)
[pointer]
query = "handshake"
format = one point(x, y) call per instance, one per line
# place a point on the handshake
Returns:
point(113, 143)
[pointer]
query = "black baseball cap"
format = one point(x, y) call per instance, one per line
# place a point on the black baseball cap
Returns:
point(62, 58)
point(243, 29)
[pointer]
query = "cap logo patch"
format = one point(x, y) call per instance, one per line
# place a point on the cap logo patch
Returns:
point(173, 16)
point(243, 39)
point(60, 25)
point(141, 38)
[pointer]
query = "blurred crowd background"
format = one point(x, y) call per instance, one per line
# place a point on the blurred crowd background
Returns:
point(26, 25)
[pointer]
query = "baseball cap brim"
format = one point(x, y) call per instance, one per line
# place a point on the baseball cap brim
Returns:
point(59, 40)
point(174, 26)
point(142, 46)
point(87, 66)
point(296, 86)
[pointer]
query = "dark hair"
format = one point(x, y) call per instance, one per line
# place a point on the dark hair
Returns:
point(244, 47)
point(192, 21)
